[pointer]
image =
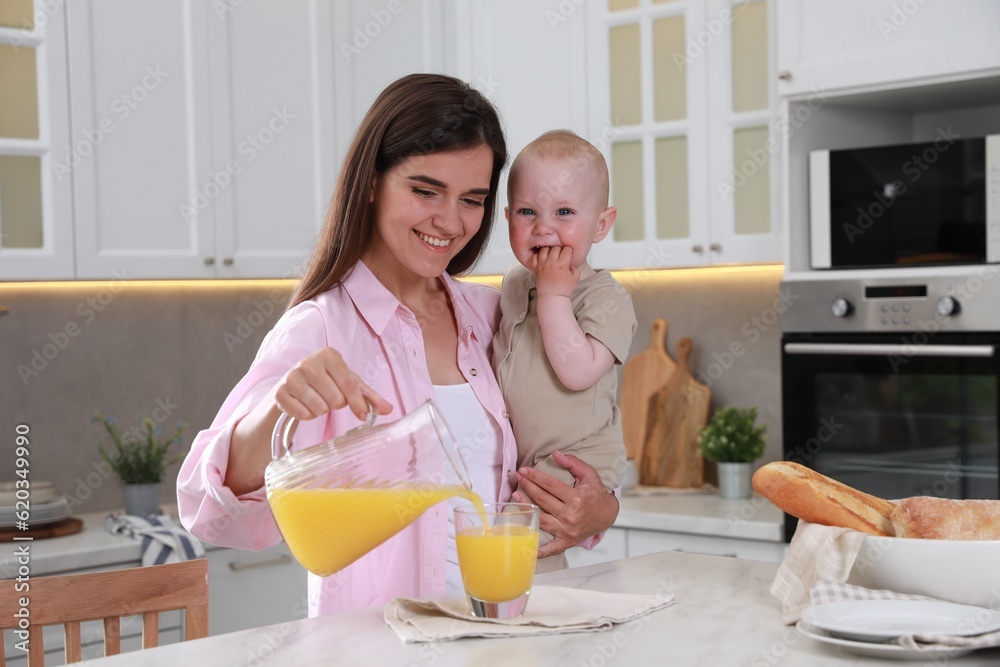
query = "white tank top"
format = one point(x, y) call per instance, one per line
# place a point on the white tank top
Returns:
point(480, 444)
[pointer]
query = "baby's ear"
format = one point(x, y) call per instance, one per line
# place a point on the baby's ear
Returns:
point(605, 221)
point(506, 213)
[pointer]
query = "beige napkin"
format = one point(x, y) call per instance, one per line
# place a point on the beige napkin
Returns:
point(816, 553)
point(551, 610)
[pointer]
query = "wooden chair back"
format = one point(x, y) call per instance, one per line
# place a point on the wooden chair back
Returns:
point(70, 599)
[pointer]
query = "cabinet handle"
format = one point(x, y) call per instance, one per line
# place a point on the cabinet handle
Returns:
point(209, 261)
point(697, 248)
point(228, 261)
point(283, 559)
point(785, 75)
point(715, 247)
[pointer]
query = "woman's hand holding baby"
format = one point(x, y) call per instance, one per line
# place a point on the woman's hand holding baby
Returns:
point(571, 514)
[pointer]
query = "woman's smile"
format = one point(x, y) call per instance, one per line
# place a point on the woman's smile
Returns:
point(434, 241)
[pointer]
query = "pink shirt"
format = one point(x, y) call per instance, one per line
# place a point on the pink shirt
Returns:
point(382, 342)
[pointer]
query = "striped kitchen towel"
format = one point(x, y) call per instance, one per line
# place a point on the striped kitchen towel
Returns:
point(162, 540)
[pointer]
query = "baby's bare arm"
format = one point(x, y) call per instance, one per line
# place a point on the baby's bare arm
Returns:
point(578, 359)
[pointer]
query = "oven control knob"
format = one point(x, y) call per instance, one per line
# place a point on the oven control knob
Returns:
point(948, 305)
point(841, 307)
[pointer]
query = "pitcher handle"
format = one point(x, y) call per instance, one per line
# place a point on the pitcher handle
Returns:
point(281, 442)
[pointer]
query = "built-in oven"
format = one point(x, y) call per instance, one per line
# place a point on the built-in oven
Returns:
point(892, 386)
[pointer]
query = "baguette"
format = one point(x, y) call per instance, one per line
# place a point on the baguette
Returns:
point(816, 498)
point(947, 519)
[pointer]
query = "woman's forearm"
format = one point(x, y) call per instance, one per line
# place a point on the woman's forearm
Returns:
point(250, 449)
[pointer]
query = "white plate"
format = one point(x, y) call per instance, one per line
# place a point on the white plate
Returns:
point(885, 651)
point(40, 492)
point(882, 620)
point(40, 513)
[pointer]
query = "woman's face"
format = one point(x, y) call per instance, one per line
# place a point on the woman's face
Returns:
point(426, 209)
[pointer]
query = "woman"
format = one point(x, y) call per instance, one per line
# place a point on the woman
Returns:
point(377, 318)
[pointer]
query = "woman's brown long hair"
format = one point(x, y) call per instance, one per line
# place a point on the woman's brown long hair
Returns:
point(418, 114)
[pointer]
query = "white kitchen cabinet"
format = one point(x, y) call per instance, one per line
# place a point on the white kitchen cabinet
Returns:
point(613, 546)
point(253, 589)
point(830, 45)
point(530, 59)
point(683, 97)
point(641, 542)
point(621, 543)
point(205, 154)
point(141, 125)
point(36, 210)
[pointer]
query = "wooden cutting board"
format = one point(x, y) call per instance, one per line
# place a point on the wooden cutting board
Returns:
point(54, 529)
point(677, 414)
point(643, 375)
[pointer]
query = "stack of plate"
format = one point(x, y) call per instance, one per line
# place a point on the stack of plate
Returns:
point(43, 505)
point(872, 627)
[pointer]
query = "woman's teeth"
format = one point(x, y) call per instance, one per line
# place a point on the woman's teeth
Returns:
point(438, 243)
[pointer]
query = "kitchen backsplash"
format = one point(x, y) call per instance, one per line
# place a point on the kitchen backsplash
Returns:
point(172, 351)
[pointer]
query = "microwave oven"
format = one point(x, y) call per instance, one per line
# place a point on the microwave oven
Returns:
point(912, 205)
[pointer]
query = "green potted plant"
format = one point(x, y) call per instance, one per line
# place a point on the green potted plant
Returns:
point(734, 441)
point(139, 459)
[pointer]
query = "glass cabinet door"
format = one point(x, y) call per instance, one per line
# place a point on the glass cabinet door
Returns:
point(686, 103)
point(36, 236)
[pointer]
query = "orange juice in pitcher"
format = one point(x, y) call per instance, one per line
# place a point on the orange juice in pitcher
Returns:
point(336, 501)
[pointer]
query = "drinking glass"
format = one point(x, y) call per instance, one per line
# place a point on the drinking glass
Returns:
point(497, 550)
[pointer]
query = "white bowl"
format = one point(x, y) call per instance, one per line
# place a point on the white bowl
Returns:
point(963, 571)
point(38, 492)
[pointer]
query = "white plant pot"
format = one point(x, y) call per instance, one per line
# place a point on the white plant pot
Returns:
point(142, 499)
point(734, 480)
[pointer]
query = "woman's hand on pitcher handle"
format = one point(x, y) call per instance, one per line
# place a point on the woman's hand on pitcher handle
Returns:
point(570, 514)
point(323, 382)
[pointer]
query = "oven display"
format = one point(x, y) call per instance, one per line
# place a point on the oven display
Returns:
point(896, 292)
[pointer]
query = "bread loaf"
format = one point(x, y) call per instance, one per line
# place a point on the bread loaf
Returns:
point(947, 519)
point(816, 498)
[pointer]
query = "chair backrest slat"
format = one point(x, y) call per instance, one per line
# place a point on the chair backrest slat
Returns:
point(36, 649)
point(112, 636)
point(71, 599)
point(150, 629)
point(73, 650)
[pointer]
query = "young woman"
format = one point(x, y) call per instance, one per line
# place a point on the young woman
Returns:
point(378, 318)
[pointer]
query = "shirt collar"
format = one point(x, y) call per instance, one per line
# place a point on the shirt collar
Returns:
point(378, 305)
point(374, 302)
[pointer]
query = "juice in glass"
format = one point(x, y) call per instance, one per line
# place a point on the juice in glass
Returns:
point(496, 556)
point(497, 564)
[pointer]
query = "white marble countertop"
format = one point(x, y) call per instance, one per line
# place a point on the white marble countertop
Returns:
point(724, 615)
point(702, 514)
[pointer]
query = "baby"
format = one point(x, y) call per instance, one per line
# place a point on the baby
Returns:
point(564, 325)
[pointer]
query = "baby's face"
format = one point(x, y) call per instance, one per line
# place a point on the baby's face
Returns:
point(553, 203)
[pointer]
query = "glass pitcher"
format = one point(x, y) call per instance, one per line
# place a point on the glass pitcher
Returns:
point(336, 501)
